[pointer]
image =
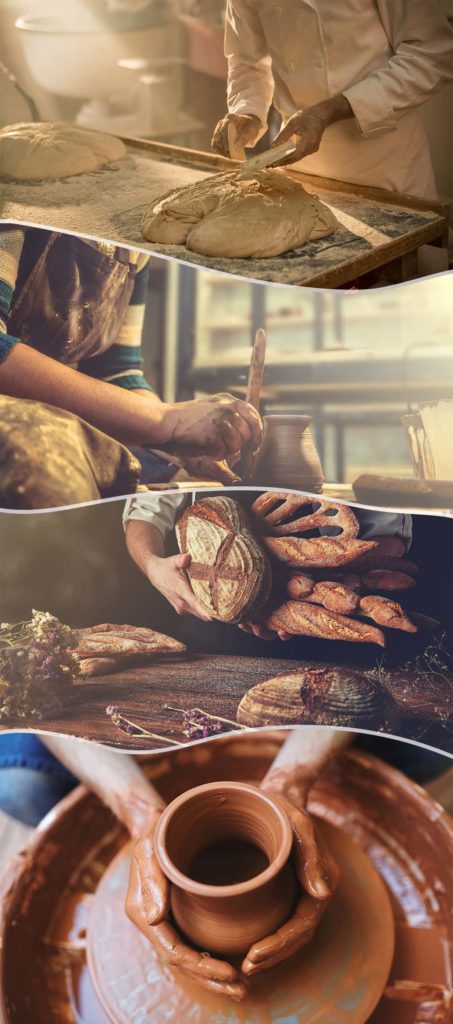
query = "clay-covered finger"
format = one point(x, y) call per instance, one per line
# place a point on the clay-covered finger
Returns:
point(310, 859)
point(291, 936)
point(256, 425)
point(155, 887)
point(178, 954)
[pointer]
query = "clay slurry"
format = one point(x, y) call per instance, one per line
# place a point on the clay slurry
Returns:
point(227, 862)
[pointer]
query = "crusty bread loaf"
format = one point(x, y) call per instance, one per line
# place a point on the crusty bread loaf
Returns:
point(229, 571)
point(111, 641)
point(317, 552)
point(303, 619)
point(278, 513)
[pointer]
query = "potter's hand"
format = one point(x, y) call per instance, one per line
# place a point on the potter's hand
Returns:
point(258, 629)
point(147, 905)
point(307, 127)
point(247, 129)
point(202, 467)
point(168, 575)
point(298, 931)
point(218, 426)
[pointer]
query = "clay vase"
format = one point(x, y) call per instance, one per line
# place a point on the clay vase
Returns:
point(288, 457)
point(224, 846)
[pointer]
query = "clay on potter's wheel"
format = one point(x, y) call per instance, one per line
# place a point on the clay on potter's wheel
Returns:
point(288, 456)
point(319, 696)
point(225, 848)
point(339, 976)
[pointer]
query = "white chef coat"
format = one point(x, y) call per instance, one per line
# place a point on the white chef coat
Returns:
point(386, 56)
point(163, 508)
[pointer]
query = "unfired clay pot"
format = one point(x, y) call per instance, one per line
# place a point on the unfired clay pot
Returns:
point(288, 457)
point(225, 848)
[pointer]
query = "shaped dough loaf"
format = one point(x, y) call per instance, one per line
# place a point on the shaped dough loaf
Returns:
point(43, 150)
point(224, 217)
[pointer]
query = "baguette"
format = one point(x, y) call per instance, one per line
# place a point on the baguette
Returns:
point(317, 552)
point(303, 619)
point(277, 512)
point(387, 579)
point(110, 641)
point(298, 586)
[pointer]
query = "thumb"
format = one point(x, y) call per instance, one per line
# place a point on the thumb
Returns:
point(284, 135)
point(182, 561)
point(155, 887)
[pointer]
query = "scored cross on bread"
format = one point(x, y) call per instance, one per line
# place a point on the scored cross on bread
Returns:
point(229, 571)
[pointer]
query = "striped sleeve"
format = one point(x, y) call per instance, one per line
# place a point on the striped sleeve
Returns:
point(122, 363)
point(11, 244)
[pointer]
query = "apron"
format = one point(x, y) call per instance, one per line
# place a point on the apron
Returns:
point(398, 160)
point(71, 298)
point(70, 301)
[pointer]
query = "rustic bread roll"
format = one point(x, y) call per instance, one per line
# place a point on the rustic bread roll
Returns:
point(229, 572)
point(335, 597)
point(278, 512)
point(299, 586)
point(316, 552)
point(386, 612)
point(386, 579)
point(303, 619)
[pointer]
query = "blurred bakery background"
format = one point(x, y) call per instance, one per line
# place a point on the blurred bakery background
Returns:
point(156, 70)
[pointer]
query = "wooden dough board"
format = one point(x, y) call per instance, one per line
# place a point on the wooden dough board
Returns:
point(377, 228)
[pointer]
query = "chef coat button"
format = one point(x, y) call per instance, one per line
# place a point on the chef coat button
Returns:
point(278, 10)
point(320, 63)
point(290, 65)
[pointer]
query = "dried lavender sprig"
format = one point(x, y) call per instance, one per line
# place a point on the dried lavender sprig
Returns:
point(206, 714)
point(133, 728)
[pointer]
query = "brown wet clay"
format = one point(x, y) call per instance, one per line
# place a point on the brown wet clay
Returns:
point(288, 456)
point(225, 848)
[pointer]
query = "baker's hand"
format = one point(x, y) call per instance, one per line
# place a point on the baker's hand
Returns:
point(218, 426)
point(308, 126)
point(248, 129)
point(317, 873)
point(168, 576)
point(147, 905)
point(393, 547)
point(257, 628)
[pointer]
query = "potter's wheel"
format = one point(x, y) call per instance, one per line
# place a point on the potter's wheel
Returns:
point(339, 977)
point(46, 893)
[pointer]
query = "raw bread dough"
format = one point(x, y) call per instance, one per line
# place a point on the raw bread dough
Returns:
point(224, 217)
point(43, 150)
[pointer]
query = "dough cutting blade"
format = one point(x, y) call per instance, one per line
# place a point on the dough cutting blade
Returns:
point(266, 159)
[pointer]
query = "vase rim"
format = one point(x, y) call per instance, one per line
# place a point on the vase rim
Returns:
point(183, 881)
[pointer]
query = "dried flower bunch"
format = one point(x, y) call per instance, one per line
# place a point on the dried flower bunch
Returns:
point(333, 586)
point(37, 666)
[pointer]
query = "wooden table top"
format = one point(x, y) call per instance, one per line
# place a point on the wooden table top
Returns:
point(214, 683)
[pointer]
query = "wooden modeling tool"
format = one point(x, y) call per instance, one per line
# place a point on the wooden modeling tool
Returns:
point(253, 394)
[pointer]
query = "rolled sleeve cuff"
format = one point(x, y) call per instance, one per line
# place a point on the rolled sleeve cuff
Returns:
point(253, 109)
point(7, 342)
point(385, 524)
point(371, 107)
point(160, 510)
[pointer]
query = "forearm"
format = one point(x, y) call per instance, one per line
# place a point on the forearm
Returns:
point(116, 778)
point(26, 373)
point(145, 544)
point(302, 757)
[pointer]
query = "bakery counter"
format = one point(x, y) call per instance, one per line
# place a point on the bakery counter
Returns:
point(155, 696)
point(378, 230)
